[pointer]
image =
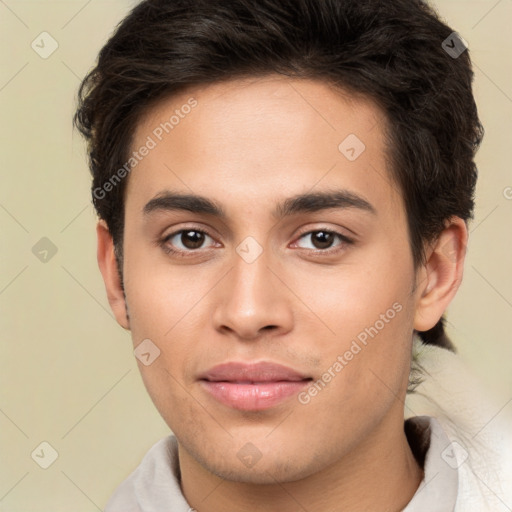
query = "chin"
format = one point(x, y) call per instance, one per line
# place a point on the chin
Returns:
point(247, 465)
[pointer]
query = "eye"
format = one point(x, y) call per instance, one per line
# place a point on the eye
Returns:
point(323, 239)
point(185, 240)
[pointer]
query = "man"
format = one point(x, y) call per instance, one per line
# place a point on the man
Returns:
point(283, 190)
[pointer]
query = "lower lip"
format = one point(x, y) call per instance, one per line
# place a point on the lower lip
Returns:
point(253, 397)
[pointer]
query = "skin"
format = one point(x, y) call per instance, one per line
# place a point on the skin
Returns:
point(249, 145)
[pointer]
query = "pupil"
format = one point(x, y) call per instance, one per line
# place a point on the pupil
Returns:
point(322, 239)
point(192, 239)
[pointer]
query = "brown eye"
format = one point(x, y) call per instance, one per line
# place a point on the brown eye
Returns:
point(186, 240)
point(192, 239)
point(323, 240)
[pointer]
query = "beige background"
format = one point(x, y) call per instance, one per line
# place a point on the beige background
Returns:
point(68, 375)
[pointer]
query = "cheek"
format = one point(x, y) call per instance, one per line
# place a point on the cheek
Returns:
point(172, 399)
point(365, 374)
point(164, 300)
point(366, 352)
point(368, 293)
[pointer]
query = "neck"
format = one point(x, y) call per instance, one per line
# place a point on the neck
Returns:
point(381, 473)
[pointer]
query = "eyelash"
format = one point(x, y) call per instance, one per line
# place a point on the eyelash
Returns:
point(315, 252)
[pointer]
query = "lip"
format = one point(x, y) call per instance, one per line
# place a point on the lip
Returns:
point(253, 386)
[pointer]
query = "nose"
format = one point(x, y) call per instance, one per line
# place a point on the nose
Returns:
point(253, 300)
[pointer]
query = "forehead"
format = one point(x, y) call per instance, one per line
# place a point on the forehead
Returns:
point(261, 138)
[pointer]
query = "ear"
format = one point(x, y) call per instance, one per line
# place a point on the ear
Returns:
point(108, 267)
point(441, 275)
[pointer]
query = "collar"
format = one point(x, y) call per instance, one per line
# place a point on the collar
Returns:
point(155, 484)
point(440, 459)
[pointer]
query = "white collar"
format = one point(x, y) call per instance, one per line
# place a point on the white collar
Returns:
point(154, 486)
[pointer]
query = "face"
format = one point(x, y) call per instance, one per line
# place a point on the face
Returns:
point(295, 267)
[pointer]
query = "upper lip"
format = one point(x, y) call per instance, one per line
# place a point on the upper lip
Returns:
point(252, 372)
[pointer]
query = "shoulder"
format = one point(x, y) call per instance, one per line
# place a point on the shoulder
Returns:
point(154, 485)
point(477, 426)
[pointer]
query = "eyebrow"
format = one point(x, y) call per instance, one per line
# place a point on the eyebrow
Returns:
point(301, 203)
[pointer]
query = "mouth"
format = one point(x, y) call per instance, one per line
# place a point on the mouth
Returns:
point(252, 387)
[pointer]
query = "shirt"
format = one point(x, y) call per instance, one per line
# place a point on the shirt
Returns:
point(154, 486)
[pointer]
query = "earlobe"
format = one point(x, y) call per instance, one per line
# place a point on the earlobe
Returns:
point(441, 275)
point(108, 267)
